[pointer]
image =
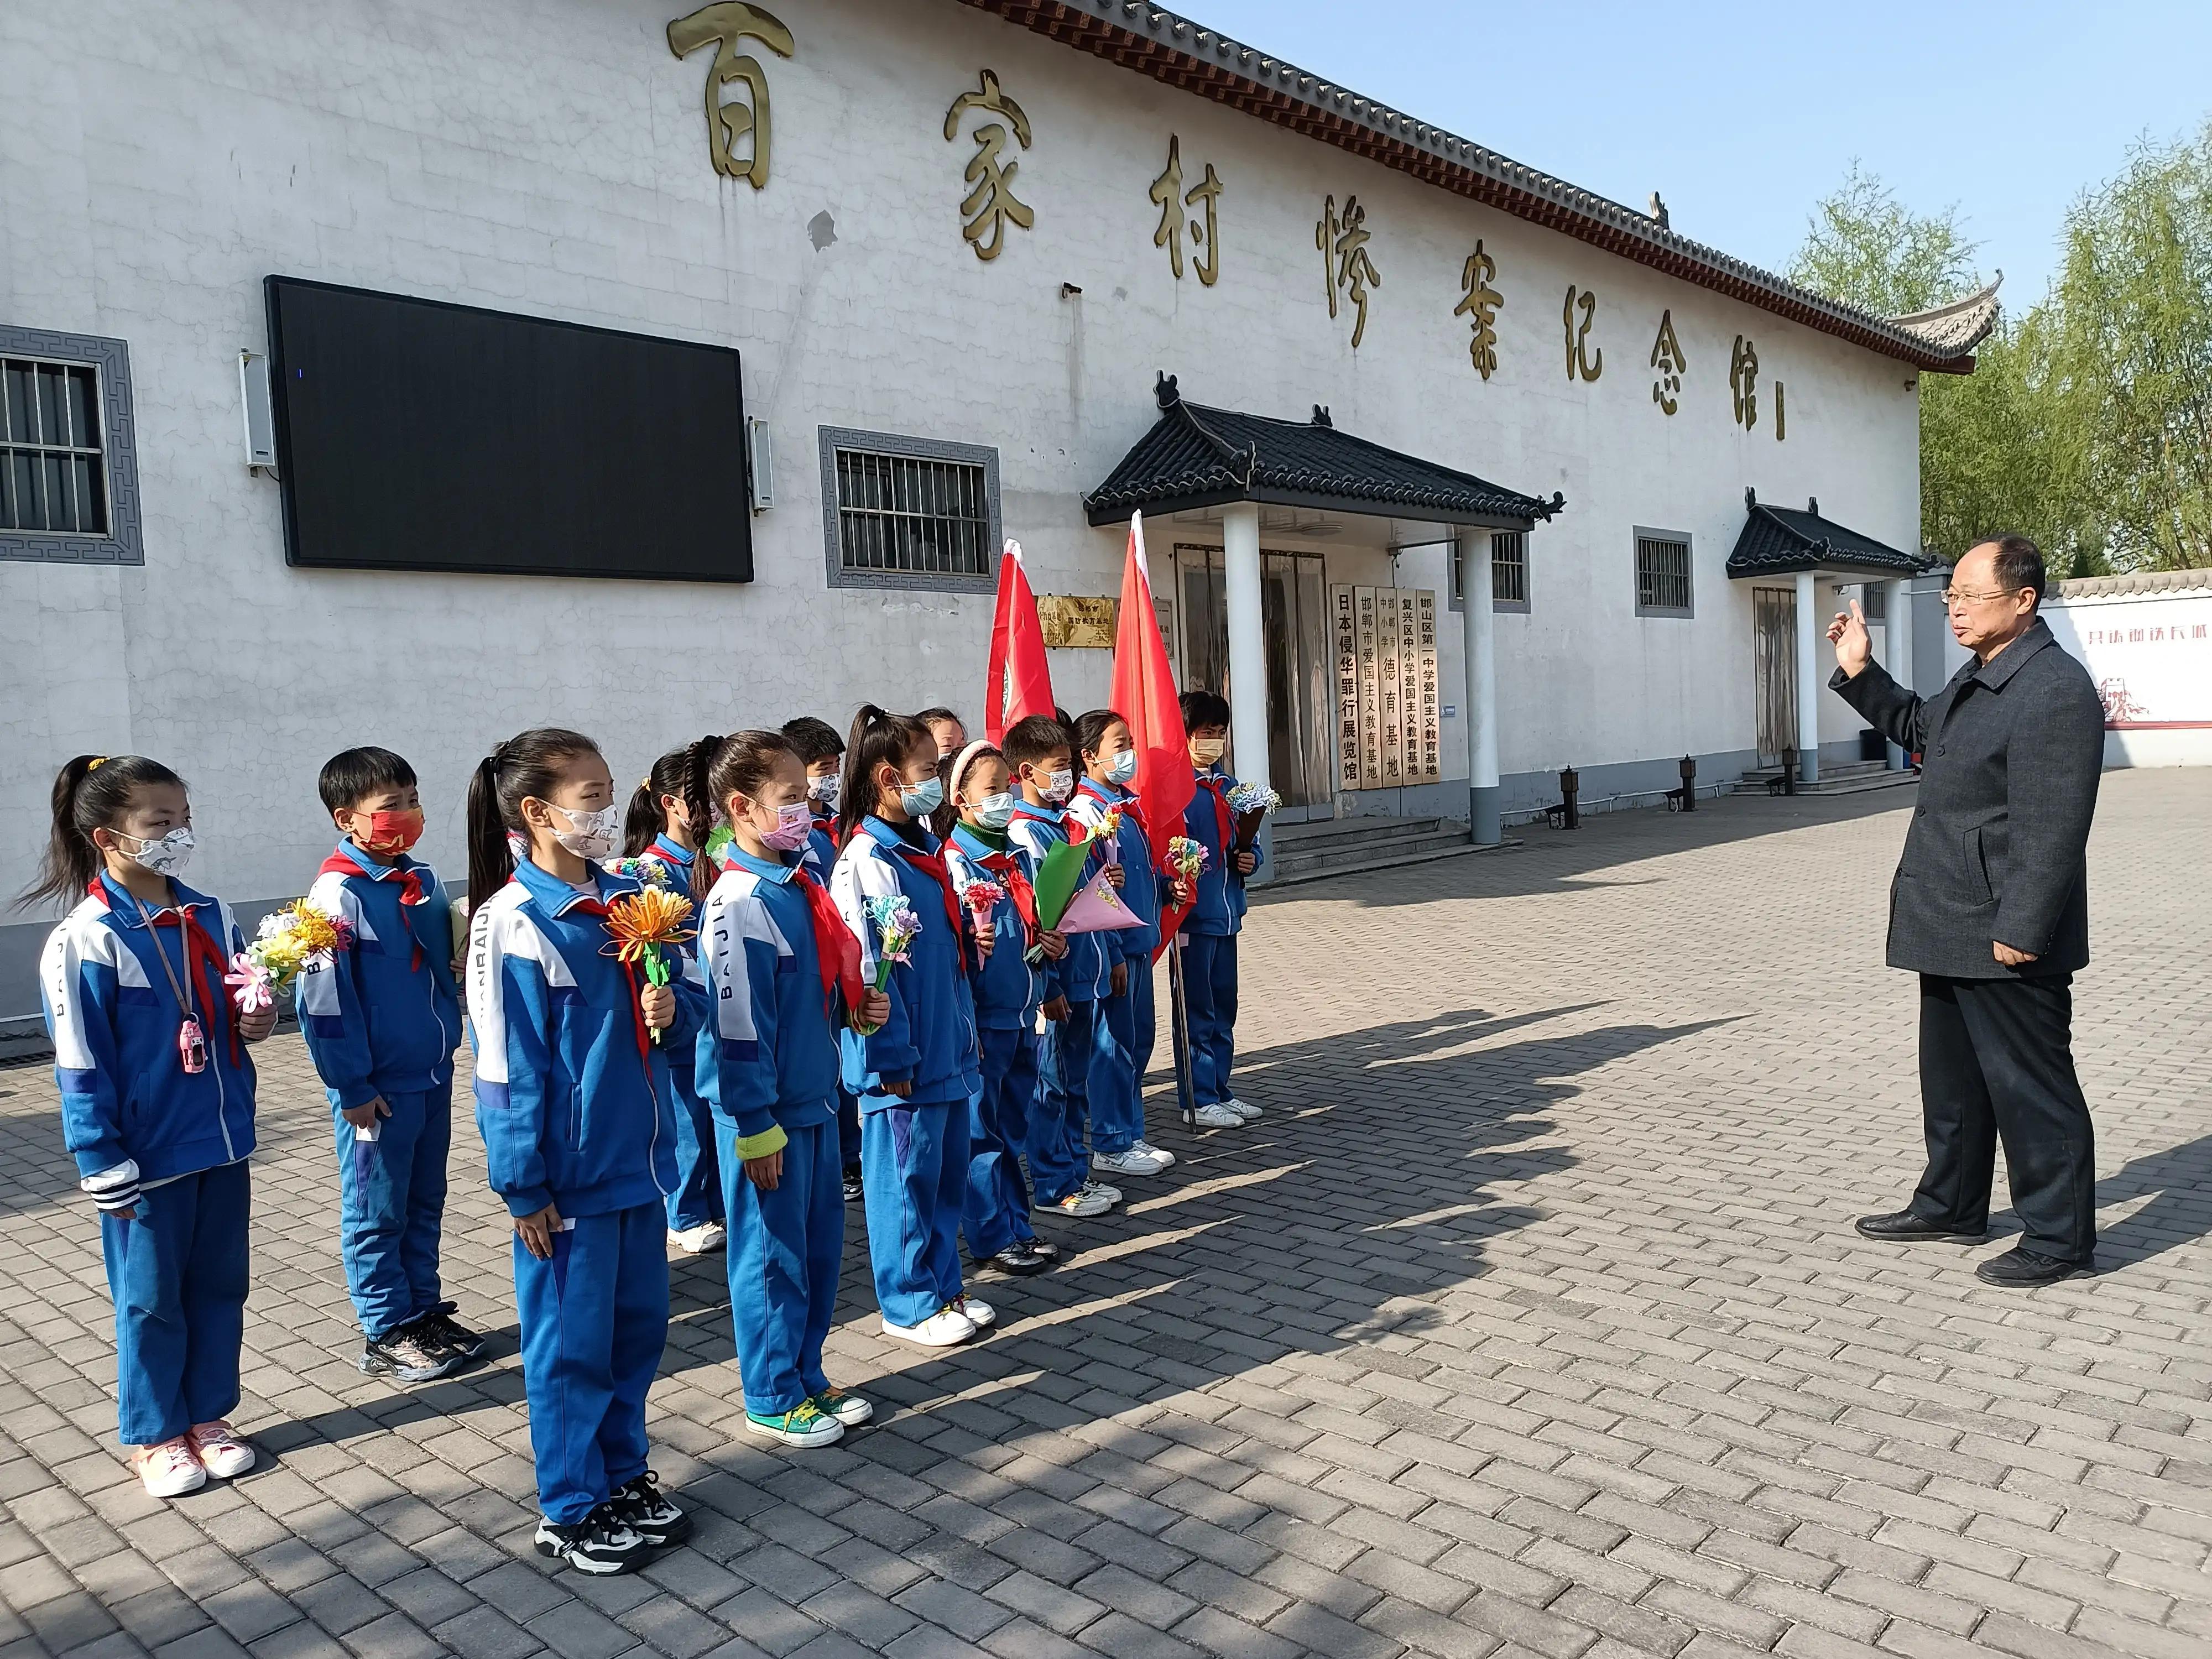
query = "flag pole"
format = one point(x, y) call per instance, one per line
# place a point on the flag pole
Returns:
point(1181, 1023)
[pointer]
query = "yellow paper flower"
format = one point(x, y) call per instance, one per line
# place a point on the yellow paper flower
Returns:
point(649, 917)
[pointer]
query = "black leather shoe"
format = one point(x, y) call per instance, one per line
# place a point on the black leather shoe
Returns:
point(1908, 1228)
point(2022, 1268)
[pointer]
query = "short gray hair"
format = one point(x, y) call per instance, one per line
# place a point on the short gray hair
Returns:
point(2017, 564)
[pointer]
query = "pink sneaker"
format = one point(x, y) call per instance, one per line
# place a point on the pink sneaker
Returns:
point(170, 1469)
point(218, 1448)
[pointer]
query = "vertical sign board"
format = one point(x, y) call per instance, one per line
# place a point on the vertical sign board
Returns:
point(1433, 758)
point(1409, 682)
point(1345, 631)
point(1390, 685)
point(1371, 715)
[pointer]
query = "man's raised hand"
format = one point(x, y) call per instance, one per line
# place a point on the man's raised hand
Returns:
point(1848, 634)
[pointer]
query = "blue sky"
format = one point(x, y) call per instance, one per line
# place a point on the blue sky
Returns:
point(1742, 115)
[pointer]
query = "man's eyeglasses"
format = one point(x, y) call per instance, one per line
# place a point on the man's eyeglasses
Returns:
point(1951, 596)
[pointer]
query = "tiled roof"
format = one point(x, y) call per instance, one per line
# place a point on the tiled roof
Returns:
point(1172, 49)
point(2136, 582)
point(1198, 456)
point(1779, 540)
point(1959, 326)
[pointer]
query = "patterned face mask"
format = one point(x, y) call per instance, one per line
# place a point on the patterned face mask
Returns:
point(593, 835)
point(167, 856)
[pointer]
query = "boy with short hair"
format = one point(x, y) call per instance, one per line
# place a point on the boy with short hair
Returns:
point(1042, 757)
point(822, 753)
point(381, 1019)
point(1216, 914)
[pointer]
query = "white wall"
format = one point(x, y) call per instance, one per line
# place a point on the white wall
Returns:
point(548, 157)
point(2151, 657)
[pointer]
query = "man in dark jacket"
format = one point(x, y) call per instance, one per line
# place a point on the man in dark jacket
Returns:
point(1990, 907)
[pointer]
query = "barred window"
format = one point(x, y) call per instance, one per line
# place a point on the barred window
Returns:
point(908, 513)
point(1873, 598)
point(1509, 570)
point(1662, 573)
point(52, 473)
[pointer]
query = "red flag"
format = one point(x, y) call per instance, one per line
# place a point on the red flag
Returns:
point(1145, 695)
point(1020, 683)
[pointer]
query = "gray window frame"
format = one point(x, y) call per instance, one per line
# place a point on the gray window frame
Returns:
point(1510, 607)
point(1642, 533)
point(110, 359)
point(835, 437)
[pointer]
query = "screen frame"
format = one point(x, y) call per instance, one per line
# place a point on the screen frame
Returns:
point(273, 287)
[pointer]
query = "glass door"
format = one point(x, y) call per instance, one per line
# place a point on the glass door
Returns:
point(1294, 627)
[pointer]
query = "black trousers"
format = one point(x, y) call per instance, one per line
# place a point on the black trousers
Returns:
point(1997, 1063)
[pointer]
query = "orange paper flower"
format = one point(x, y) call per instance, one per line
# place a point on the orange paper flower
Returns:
point(640, 922)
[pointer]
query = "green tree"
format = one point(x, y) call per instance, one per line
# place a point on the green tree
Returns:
point(2134, 335)
point(1866, 248)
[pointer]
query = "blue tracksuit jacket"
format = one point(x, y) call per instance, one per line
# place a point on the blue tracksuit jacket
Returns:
point(930, 1038)
point(697, 1196)
point(1141, 890)
point(113, 1016)
point(1221, 900)
point(383, 1016)
point(574, 1106)
point(1081, 975)
point(1007, 990)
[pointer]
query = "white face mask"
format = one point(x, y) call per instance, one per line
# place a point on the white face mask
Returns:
point(593, 835)
point(1058, 785)
point(994, 811)
point(165, 857)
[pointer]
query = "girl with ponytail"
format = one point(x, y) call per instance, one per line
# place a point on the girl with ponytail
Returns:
point(157, 1104)
point(915, 1071)
point(576, 1105)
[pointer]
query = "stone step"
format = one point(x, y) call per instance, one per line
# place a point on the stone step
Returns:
point(1846, 769)
point(1290, 867)
point(1856, 783)
point(1333, 833)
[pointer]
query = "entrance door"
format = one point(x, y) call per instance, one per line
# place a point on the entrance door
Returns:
point(1294, 629)
point(1774, 666)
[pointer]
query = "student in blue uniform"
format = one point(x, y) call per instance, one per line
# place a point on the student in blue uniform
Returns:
point(782, 970)
point(157, 1104)
point(381, 1019)
point(1217, 915)
point(577, 1111)
point(659, 826)
point(1041, 753)
point(1124, 1050)
point(823, 752)
point(995, 1216)
point(913, 1072)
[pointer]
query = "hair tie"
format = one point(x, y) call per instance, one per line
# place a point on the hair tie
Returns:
point(98, 761)
point(645, 783)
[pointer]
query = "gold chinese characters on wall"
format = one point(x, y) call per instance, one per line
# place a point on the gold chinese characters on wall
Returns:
point(1743, 382)
point(1345, 263)
point(1579, 358)
point(1388, 732)
point(1667, 364)
point(729, 125)
point(991, 204)
point(1480, 302)
point(1204, 233)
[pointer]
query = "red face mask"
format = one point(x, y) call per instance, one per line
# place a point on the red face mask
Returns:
point(389, 832)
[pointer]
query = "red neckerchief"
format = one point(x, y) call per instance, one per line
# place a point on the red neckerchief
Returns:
point(829, 827)
point(593, 907)
point(1128, 805)
point(836, 952)
point(410, 891)
point(932, 866)
point(1008, 869)
point(1224, 819)
point(200, 953)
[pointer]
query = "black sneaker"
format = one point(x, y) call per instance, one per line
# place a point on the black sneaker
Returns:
point(1019, 1260)
point(408, 1355)
point(602, 1542)
point(853, 1190)
point(1042, 1249)
point(440, 1327)
point(2022, 1268)
point(650, 1512)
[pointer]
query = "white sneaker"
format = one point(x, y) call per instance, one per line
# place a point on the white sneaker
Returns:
point(979, 1314)
point(221, 1452)
point(1219, 1116)
point(947, 1329)
point(1166, 1158)
point(1141, 1165)
point(1244, 1108)
point(698, 1241)
point(1082, 1203)
point(1111, 1194)
point(170, 1469)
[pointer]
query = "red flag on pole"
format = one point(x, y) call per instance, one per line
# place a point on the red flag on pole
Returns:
point(1020, 682)
point(1143, 694)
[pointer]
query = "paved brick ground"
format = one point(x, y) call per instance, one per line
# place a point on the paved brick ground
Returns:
point(1529, 1321)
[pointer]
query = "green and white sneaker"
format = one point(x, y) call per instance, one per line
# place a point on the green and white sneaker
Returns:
point(804, 1425)
point(846, 1408)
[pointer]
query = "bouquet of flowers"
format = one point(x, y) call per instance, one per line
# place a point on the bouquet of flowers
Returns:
point(1186, 858)
point(981, 896)
point(1251, 802)
point(896, 929)
point(645, 871)
point(643, 926)
point(290, 940)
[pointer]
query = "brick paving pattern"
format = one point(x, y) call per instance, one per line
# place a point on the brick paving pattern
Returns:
point(1529, 1321)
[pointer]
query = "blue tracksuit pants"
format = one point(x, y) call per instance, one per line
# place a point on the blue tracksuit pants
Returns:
point(786, 1247)
point(178, 1272)
point(392, 1206)
point(1122, 1050)
point(595, 1319)
point(996, 1212)
point(1060, 1115)
point(697, 1198)
point(914, 1171)
point(849, 1129)
point(1209, 996)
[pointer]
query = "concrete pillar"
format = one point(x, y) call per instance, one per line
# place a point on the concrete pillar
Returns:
point(1896, 649)
point(1247, 644)
point(1476, 616)
point(1812, 636)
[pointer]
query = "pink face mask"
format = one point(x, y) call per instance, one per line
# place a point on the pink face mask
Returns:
point(794, 822)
